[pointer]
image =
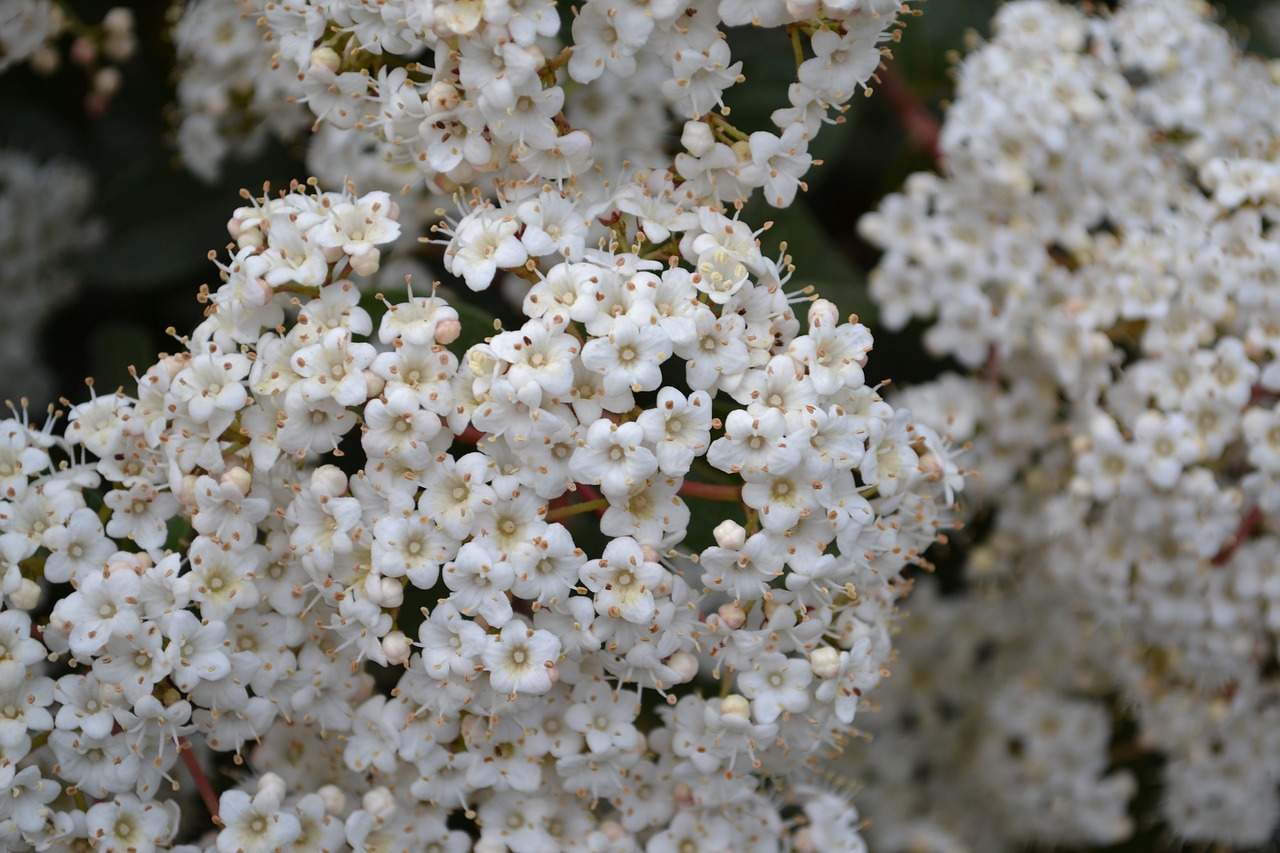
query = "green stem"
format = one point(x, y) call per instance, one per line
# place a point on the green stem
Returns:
point(576, 509)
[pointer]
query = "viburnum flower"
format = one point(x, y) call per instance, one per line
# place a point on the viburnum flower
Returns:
point(521, 660)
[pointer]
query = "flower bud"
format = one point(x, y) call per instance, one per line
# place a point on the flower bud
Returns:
point(379, 802)
point(333, 798)
point(45, 60)
point(733, 616)
point(186, 495)
point(238, 477)
point(366, 262)
point(697, 138)
point(395, 645)
point(107, 82)
point(328, 480)
point(273, 786)
point(83, 51)
point(447, 331)
point(730, 535)
point(735, 704)
point(326, 57)
point(374, 383)
point(825, 662)
point(823, 314)
point(442, 96)
point(26, 596)
point(392, 592)
point(685, 666)
point(118, 21)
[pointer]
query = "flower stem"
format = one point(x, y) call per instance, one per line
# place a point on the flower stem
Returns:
point(1248, 523)
point(207, 794)
point(711, 492)
point(920, 124)
point(576, 509)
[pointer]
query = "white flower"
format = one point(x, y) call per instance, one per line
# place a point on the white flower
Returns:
point(521, 660)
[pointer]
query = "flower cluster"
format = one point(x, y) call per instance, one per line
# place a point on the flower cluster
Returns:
point(31, 29)
point(1102, 254)
point(40, 243)
point(440, 94)
point(441, 597)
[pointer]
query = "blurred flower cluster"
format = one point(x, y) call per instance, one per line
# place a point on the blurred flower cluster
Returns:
point(1100, 257)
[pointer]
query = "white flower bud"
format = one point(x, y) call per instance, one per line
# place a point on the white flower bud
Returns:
point(825, 662)
point(328, 480)
point(396, 647)
point(685, 666)
point(238, 477)
point(374, 383)
point(442, 96)
point(107, 81)
point(326, 57)
point(118, 21)
point(333, 798)
point(392, 592)
point(273, 786)
point(824, 314)
point(730, 535)
point(733, 616)
point(379, 802)
point(697, 138)
point(26, 596)
point(186, 495)
point(366, 262)
point(735, 704)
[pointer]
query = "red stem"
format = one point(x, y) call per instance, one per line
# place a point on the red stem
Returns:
point(922, 125)
point(711, 492)
point(471, 435)
point(1251, 520)
point(207, 794)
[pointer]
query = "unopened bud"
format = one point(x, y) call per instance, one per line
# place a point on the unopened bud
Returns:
point(273, 786)
point(328, 480)
point(697, 138)
point(825, 662)
point(823, 314)
point(392, 592)
point(733, 616)
point(26, 596)
point(118, 21)
point(442, 96)
point(395, 645)
point(379, 802)
point(735, 704)
point(684, 665)
point(373, 383)
point(334, 800)
point(239, 478)
point(45, 60)
point(730, 535)
point(366, 262)
point(83, 51)
point(447, 331)
point(326, 57)
point(186, 495)
point(107, 82)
